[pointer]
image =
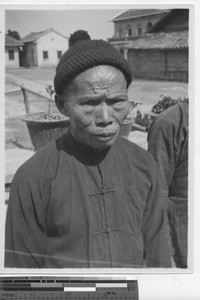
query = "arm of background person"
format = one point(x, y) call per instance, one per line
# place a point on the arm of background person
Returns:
point(154, 224)
point(161, 146)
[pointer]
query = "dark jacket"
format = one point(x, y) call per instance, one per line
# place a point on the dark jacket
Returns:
point(168, 143)
point(73, 207)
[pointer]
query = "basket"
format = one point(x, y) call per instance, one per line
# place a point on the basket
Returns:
point(43, 130)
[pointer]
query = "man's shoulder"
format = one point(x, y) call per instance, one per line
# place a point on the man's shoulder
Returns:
point(138, 158)
point(173, 113)
point(41, 161)
point(131, 149)
point(172, 119)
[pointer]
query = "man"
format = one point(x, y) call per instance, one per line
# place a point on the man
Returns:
point(168, 143)
point(90, 199)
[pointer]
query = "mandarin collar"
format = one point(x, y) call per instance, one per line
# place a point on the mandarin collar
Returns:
point(77, 146)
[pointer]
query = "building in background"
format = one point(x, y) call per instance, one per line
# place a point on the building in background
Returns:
point(43, 49)
point(132, 24)
point(162, 52)
point(12, 49)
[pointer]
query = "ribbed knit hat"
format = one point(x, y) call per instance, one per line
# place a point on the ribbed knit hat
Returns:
point(84, 53)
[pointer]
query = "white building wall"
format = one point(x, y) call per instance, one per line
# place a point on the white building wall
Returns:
point(12, 63)
point(51, 42)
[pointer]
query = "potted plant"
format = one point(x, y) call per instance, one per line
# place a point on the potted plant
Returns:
point(46, 127)
point(145, 119)
point(165, 103)
point(126, 127)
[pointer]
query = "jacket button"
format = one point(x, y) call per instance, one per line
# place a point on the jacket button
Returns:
point(103, 192)
point(107, 231)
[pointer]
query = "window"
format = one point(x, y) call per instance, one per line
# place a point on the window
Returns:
point(59, 54)
point(45, 54)
point(11, 54)
point(139, 29)
point(129, 30)
point(120, 32)
point(149, 25)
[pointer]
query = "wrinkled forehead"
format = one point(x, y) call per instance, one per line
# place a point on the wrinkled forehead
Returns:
point(100, 75)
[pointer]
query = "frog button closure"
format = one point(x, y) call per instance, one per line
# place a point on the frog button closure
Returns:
point(103, 192)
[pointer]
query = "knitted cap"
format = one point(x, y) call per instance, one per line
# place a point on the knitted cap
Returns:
point(84, 53)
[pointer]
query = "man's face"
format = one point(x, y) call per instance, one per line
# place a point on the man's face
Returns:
point(97, 104)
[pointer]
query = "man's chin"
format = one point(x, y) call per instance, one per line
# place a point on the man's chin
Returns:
point(104, 142)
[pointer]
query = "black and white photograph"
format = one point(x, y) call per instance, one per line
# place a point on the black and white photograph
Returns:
point(97, 138)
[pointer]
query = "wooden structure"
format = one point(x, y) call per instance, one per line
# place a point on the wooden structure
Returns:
point(28, 86)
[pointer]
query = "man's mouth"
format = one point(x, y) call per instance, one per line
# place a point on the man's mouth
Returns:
point(105, 136)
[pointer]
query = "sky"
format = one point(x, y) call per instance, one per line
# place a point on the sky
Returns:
point(95, 21)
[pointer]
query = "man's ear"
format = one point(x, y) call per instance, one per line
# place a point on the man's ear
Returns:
point(60, 101)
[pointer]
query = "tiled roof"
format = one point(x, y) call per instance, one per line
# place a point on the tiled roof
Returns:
point(180, 15)
point(135, 13)
point(31, 37)
point(161, 40)
point(11, 42)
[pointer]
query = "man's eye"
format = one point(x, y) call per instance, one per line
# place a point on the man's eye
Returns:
point(91, 103)
point(116, 101)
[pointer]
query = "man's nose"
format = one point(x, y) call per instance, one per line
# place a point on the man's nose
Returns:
point(103, 116)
